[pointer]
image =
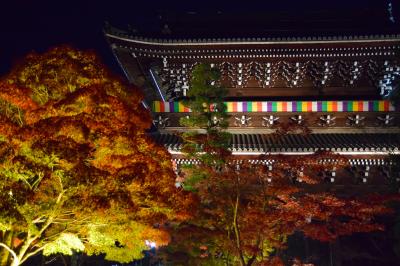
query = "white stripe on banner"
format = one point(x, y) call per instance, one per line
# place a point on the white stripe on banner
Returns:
point(264, 106)
point(240, 106)
point(340, 106)
point(314, 106)
point(366, 106)
point(289, 106)
point(166, 107)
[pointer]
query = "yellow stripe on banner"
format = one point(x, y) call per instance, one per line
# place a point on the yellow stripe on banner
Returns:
point(254, 107)
point(355, 106)
point(157, 106)
point(303, 107)
point(229, 107)
point(181, 108)
point(381, 106)
point(329, 106)
point(279, 106)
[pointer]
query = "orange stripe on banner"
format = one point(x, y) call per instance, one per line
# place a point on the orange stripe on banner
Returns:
point(386, 106)
point(334, 106)
point(234, 105)
point(162, 109)
point(360, 106)
point(309, 106)
point(259, 106)
point(284, 106)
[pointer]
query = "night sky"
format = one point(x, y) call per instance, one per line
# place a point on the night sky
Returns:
point(27, 25)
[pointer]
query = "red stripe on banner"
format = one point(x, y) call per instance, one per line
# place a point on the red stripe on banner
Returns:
point(162, 109)
point(309, 106)
point(386, 105)
point(259, 106)
point(284, 106)
point(360, 106)
point(334, 106)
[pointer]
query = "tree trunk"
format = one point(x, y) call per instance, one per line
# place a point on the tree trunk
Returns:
point(74, 261)
point(236, 230)
point(5, 256)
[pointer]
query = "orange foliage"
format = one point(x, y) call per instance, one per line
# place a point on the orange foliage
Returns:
point(80, 122)
point(240, 210)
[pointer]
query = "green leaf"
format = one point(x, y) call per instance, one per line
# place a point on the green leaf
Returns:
point(65, 244)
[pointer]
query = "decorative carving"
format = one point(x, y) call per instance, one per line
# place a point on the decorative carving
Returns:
point(327, 120)
point(355, 72)
point(389, 75)
point(384, 75)
point(298, 119)
point(161, 122)
point(320, 72)
point(385, 120)
point(292, 73)
point(269, 121)
point(243, 121)
point(356, 120)
point(175, 78)
point(216, 121)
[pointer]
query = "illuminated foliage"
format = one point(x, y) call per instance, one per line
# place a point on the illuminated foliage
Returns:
point(77, 171)
point(243, 218)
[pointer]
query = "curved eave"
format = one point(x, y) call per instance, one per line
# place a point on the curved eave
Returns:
point(253, 41)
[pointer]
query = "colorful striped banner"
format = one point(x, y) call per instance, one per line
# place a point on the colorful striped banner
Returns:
point(286, 106)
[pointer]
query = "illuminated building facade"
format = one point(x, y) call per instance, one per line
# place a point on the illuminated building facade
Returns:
point(337, 86)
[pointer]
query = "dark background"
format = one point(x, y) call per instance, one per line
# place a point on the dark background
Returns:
point(27, 25)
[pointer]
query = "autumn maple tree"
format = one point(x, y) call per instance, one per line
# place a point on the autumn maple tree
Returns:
point(77, 171)
point(247, 210)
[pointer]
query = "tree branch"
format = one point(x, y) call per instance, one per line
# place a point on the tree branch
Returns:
point(236, 229)
point(28, 255)
point(16, 261)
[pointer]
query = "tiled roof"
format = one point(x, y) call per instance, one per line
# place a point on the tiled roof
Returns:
point(254, 40)
point(298, 143)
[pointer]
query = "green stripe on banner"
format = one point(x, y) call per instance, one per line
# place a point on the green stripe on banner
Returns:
point(299, 107)
point(249, 106)
point(350, 106)
point(176, 107)
point(324, 106)
point(376, 106)
point(274, 106)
